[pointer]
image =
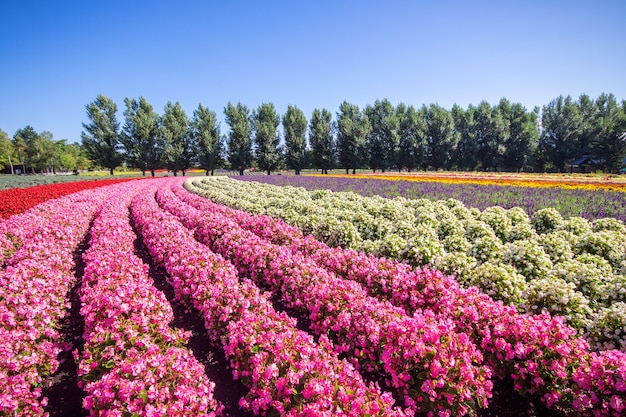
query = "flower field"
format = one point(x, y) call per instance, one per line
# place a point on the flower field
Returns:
point(308, 326)
point(18, 200)
point(570, 267)
point(588, 200)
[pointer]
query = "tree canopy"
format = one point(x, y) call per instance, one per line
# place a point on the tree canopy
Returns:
point(566, 134)
point(100, 138)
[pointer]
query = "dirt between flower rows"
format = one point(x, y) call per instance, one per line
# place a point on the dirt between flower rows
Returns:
point(65, 398)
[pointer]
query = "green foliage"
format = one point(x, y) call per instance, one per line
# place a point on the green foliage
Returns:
point(467, 150)
point(7, 152)
point(264, 122)
point(441, 136)
point(294, 128)
point(178, 144)
point(353, 127)
point(205, 132)
point(100, 138)
point(139, 136)
point(239, 138)
point(383, 137)
point(412, 139)
point(321, 139)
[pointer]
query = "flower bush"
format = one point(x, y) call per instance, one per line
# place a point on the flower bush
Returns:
point(437, 233)
point(133, 363)
point(18, 200)
point(431, 339)
point(285, 370)
point(370, 332)
point(37, 275)
point(541, 353)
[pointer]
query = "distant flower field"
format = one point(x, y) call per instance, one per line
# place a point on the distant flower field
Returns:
point(588, 200)
point(305, 327)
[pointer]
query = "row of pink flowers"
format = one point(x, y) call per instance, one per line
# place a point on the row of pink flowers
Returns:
point(133, 363)
point(285, 370)
point(541, 353)
point(434, 368)
point(37, 275)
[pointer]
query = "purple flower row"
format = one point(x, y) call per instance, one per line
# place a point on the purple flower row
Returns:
point(589, 204)
point(541, 353)
point(34, 284)
point(133, 363)
point(285, 370)
point(434, 367)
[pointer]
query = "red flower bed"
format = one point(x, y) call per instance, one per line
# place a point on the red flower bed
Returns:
point(18, 200)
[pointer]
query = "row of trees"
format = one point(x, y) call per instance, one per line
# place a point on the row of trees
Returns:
point(381, 136)
point(29, 152)
point(505, 136)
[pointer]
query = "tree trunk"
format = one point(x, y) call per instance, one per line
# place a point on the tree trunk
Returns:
point(354, 171)
point(184, 171)
point(240, 171)
point(11, 163)
point(347, 171)
point(110, 171)
point(143, 172)
point(212, 171)
point(268, 172)
point(297, 172)
point(152, 172)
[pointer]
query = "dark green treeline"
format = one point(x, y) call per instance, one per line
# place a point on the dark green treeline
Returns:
point(381, 136)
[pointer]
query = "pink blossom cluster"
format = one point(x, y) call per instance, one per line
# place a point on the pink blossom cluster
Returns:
point(541, 353)
point(37, 274)
point(285, 370)
point(133, 363)
point(18, 228)
point(434, 367)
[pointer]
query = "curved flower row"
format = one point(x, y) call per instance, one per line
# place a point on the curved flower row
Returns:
point(541, 353)
point(571, 267)
point(285, 370)
point(133, 363)
point(17, 200)
point(33, 290)
point(431, 366)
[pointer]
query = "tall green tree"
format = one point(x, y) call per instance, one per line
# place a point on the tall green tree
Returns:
point(239, 137)
point(321, 140)
point(441, 137)
point(523, 133)
point(100, 138)
point(588, 129)
point(353, 127)
point(177, 141)
point(561, 122)
point(294, 129)
point(25, 145)
point(139, 135)
point(467, 150)
point(77, 154)
point(49, 152)
point(383, 139)
point(264, 122)
point(412, 139)
point(6, 151)
point(205, 130)
point(610, 143)
point(491, 135)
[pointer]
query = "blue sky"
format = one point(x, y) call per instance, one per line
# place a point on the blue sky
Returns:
point(56, 57)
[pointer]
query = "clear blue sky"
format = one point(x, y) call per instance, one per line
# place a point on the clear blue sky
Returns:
point(56, 57)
